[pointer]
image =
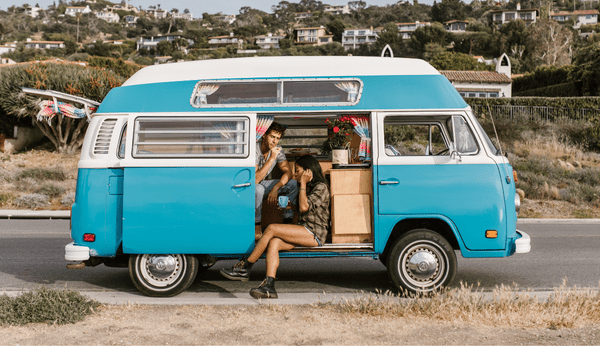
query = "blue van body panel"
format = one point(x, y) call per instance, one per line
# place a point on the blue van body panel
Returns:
point(474, 203)
point(412, 92)
point(509, 195)
point(98, 210)
point(188, 210)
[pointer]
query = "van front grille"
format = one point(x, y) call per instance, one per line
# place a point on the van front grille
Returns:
point(104, 135)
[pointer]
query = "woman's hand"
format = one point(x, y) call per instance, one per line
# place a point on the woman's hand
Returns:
point(306, 177)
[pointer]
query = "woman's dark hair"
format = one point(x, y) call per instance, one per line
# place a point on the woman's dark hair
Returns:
point(309, 162)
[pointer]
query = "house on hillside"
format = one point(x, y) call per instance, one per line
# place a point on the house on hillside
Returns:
point(185, 16)
point(456, 26)
point(302, 15)
point(406, 29)
point(149, 42)
point(107, 16)
point(500, 17)
point(337, 9)
point(313, 36)
point(353, 38)
point(496, 83)
point(269, 40)
point(8, 47)
point(584, 17)
point(75, 10)
point(224, 41)
point(44, 44)
point(33, 11)
point(229, 19)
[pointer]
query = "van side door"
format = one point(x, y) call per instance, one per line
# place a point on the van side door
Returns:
point(189, 184)
point(432, 165)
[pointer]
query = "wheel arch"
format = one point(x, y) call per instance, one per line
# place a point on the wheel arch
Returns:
point(439, 225)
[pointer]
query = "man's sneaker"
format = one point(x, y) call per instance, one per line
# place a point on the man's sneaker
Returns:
point(288, 220)
point(265, 290)
point(240, 271)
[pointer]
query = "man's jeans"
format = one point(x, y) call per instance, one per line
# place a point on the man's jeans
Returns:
point(262, 191)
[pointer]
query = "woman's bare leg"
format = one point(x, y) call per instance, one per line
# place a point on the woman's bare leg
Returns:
point(276, 245)
point(294, 235)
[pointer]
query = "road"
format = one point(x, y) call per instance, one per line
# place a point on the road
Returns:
point(32, 254)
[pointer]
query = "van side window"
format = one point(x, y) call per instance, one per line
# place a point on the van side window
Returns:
point(192, 137)
point(465, 142)
point(122, 141)
point(403, 139)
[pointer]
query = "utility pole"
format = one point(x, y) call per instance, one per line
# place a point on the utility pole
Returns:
point(78, 15)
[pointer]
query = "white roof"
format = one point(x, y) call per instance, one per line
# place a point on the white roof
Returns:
point(273, 67)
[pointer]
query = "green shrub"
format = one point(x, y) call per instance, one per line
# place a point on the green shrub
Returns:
point(44, 305)
point(5, 198)
point(40, 174)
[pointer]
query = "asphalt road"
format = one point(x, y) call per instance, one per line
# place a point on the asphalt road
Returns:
point(32, 254)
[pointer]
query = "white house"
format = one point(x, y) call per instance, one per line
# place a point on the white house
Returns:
point(313, 36)
point(226, 18)
point(33, 11)
point(269, 40)
point(456, 26)
point(149, 42)
point(130, 20)
point(75, 10)
point(107, 16)
point(44, 44)
point(337, 9)
point(156, 13)
point(406, 29)
point(125, 7)
point(186, 16)
point(353, 38)
point(583, 17)
point(483, 83)
point(6, 61)
point(302, 15)
point(8, 47)
point(500, 17)
point(224, 41)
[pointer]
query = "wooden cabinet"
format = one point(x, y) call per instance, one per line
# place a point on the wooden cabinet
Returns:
point(351, 205)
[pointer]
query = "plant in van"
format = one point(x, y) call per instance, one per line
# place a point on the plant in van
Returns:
point(340, 132)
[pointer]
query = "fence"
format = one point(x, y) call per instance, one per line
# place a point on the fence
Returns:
point(537, 113)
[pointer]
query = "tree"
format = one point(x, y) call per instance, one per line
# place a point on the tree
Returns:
point(428, 34)
point(457, 62)
point(164, 48)
point(448, 10)
point(336, 27)
point(586, 73)
point(551, 42)
point(389, 35)
point(65, 133)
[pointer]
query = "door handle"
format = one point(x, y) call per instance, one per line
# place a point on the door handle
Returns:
point(242, 185)
point(388, 182)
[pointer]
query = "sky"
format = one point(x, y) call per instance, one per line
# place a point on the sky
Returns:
point(197, 7)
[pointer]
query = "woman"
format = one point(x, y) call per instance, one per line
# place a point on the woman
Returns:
point(311, 230)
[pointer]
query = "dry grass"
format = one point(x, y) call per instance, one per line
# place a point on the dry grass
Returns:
point(504, 307)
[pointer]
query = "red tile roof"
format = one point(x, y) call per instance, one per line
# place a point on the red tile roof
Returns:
point(568, 13)
point(476, 77)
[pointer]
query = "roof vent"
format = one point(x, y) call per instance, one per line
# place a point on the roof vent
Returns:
point(104, 135)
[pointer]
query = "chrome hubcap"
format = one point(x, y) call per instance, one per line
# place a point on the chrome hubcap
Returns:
point(423, 265)
point(161, 270)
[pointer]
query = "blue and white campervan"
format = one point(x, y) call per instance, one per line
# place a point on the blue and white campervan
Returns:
point(166, 178)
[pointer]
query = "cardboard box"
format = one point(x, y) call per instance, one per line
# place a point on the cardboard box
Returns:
point(351, 214)
point(352, 238)
point(351, 181)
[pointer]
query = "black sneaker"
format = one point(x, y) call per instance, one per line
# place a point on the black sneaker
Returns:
point(265, 290)
point(240, 271)
point(288, 220)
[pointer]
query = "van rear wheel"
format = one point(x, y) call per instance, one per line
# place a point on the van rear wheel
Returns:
point(162, 275)
point(421, 261)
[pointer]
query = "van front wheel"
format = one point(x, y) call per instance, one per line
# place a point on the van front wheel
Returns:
point(162, 275)
point(421, 261)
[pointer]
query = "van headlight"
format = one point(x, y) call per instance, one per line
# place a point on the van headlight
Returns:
point(517, 203)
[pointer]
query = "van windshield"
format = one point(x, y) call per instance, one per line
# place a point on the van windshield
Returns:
point(487, 139)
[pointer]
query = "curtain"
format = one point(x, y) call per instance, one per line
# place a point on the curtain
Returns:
point(48, 109)
point(262, 125)
point(361, 127)
point(351, 88)
point(202, 91)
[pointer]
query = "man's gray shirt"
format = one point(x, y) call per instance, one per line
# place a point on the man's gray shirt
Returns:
point(261, 160)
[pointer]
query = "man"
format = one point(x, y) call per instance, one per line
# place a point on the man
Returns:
point(269, 153)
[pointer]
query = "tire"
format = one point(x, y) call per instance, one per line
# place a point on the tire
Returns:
point(421, 261)
point(162, 275)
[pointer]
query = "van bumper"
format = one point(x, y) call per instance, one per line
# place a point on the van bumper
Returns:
point(523, 243)
point(76, 252)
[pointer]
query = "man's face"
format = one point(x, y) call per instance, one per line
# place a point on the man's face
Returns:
point(272, 139)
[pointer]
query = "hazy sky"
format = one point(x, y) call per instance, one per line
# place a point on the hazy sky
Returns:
point(197, 7)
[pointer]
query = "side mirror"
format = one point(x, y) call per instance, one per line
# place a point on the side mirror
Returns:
point(454, 155)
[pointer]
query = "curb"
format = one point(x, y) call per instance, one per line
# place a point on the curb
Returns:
point(66, 214)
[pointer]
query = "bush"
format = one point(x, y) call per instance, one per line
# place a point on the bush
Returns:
point(44, 305)
point(68, 199)
point(32, 201)
point(52, 190)
point(39, 174)
point(5, 198)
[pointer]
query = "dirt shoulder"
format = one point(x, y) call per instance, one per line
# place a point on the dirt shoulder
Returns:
point(273, 324)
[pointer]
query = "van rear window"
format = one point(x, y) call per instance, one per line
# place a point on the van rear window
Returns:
point(280, 93)
point(191, 137)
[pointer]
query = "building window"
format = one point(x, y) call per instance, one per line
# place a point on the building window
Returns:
point(509, 16)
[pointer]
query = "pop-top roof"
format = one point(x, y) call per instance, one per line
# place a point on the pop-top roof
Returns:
point(281, 67)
